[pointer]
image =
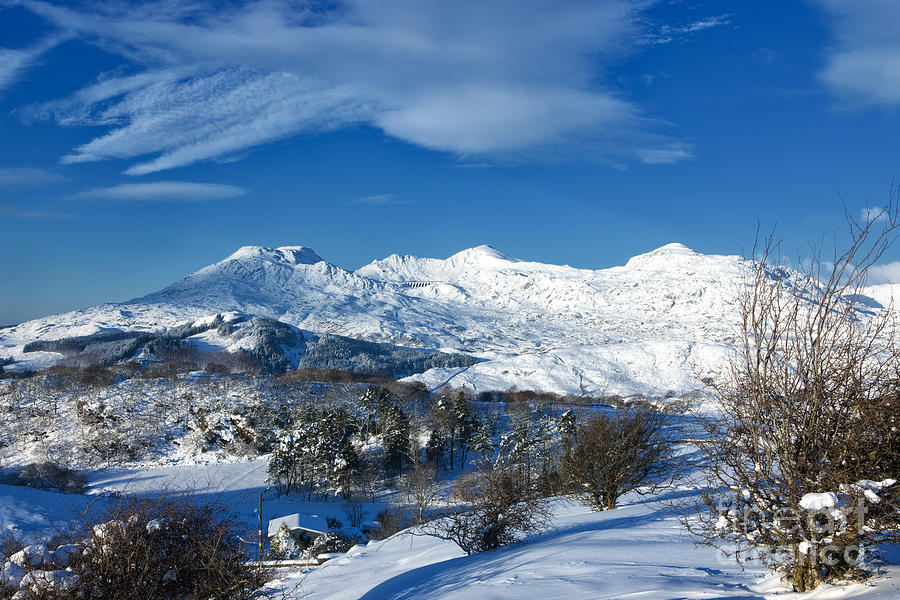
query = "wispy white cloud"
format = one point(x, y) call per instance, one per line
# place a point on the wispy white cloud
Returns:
point(868, 215)
point(665, 156)
point(14, 63)
point(210, 116)
point(15, 212)
point(863, 64)
point(162, 191)
point(507, 79)
point(380, 200)
point(12, 177)
point(668, 33)
point(706, 24)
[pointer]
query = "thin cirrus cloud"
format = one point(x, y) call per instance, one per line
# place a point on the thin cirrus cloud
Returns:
point(15, 177)
point(161, 191)
point(863, 64)
point(15, 212)
point(507, 79)
point(380, 200)
point(667, 34)
point(15, 62)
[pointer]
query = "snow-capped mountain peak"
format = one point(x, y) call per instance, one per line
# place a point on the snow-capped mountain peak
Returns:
point(300, 255)
point(646, 327)
point(667, 255)
point(483, 255)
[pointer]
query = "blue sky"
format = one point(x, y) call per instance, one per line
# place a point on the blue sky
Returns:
point(142, 141)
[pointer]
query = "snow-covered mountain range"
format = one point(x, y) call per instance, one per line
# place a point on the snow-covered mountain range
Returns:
point(648, 327)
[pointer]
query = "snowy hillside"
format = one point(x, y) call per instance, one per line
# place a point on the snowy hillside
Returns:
point(637, 551)
point(646, 327)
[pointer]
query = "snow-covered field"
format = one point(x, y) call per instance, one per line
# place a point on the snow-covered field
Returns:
point(639, 550)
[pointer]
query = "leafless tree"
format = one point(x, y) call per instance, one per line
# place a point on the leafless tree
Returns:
point(422, 487)
point(616, 454)
point(804, 448)
point(494, 508)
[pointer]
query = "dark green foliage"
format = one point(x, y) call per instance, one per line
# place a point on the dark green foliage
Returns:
point(275, 347)
point(110, 347)
point(273, 340)
point(74, 345)
point(358, 356)
point(395, 436)
point(103, 348)
point(481, 444)
point(316, 451)
point(454, 427)
point(435, 448)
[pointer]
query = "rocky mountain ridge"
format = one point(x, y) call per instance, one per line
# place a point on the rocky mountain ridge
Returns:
point(647, 327)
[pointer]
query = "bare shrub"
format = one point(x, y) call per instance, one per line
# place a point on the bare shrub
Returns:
point(392, 520)
point(422, 487)
point(801, 456)
point(9, 543)
point(168, 548)
point(494, 508)
point(355, 512)
point(50, 476)
point(614, 455)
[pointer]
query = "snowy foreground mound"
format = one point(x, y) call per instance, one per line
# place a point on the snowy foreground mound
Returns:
point(637, 551)
point(647, 327)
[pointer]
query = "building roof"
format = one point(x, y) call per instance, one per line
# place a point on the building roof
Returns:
point(312, 523)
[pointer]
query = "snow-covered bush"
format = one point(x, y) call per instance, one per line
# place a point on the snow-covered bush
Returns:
point(287, 544)
point(331, 542)
point(803, 452)
point(163, 549)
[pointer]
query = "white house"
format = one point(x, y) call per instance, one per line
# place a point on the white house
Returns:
point(313, 525)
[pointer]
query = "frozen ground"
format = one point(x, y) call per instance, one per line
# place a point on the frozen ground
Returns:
point(235, 485)
point(637, 551)
point(31, 513)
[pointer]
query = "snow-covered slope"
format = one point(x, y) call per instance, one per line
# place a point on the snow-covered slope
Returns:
point(639, 551)
point(646, 327)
